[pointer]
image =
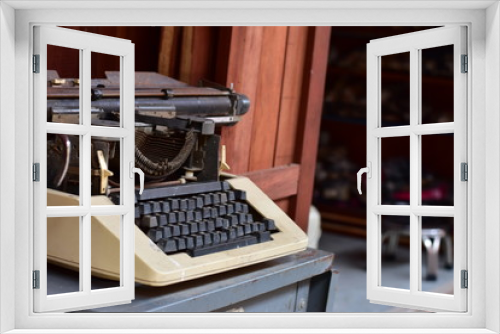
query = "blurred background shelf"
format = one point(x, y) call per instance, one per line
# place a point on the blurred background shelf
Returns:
point(342, 143)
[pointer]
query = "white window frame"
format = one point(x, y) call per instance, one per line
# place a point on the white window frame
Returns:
point(17, 19)
point(85, 43)
point(413, 44)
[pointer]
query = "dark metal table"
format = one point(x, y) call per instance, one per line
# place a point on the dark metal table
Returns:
point(303, 282)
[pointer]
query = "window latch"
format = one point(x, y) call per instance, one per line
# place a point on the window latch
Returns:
point(368, 171)
point(141, 176)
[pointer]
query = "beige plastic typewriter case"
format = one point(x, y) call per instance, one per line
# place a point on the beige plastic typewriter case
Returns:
point(152, 266)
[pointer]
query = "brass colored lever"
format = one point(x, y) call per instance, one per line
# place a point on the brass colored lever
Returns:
point(223, 164)
point(105, 172)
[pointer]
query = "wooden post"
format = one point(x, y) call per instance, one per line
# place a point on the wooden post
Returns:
point(312, 103)
point(243, 69)
point(268, 98)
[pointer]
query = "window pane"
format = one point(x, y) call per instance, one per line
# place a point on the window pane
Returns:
point(106, 240)
point(437, 84)
point(395, 252)
point(63, 85)
point(63, 170)
point(395, 170)
point(395, 89)
point(437, 169)
point(106, 167)
point(437, 254)
point(63, 249)
point(105, 74)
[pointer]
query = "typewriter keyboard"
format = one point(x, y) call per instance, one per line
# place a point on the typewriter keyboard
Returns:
point(200, 218)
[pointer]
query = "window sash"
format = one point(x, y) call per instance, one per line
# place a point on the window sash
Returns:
point(413, 43)
point(86, 297)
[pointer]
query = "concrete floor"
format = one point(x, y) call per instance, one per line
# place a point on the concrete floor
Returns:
point(350, 260)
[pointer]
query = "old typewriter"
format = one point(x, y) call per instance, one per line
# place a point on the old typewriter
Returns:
point(191, 219)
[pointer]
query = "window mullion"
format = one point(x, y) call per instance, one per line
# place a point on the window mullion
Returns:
point(414, 170)
point(85, 175)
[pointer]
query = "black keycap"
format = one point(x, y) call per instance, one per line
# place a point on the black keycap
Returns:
point(225, 224)
point(206, 212)
point(231, 195)
point(155, 206)
point(207, 238)
point(244, 208)
point(176, 230)
point(202, 226)
point(231, 244)
point(233, 219)
point(229, 208)
point(231, 233)
point(199, 202)
point(198, 215)
point(181, 217)
point(137, 212)
point(174, 204)
point(223, 198)
point(172, 217)
point(270, 225)
point(155, 234)
point(180, 243)
point(183, 204)
point(184, 229)
point(189, 216)
point(207, 199)
point(247, 228)
point(222, 210)
point(216, 199)
point(223, 237)
point(255, 227)
point(210, 225)
point(191, 204)
point(261, 227)
point(249, 218)
point(214, 213)
point(166, 231)
point(167, 245)
point(262, 236)
point(238, 207)
point(198, 240)
point(218, 222)
point(242, 218)
point(193, 227)
point(144, 208)
point(240, 231)
point(165, 206)
point(189, 242)
point(241, 195)
point(162, 219)
point(216, 238)
point(148, 221)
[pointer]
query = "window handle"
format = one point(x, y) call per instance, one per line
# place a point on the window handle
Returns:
point(141, 176)
point(368, 171)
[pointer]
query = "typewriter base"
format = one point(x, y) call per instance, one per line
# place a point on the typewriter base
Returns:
point(303, 282)
point(152, 266)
